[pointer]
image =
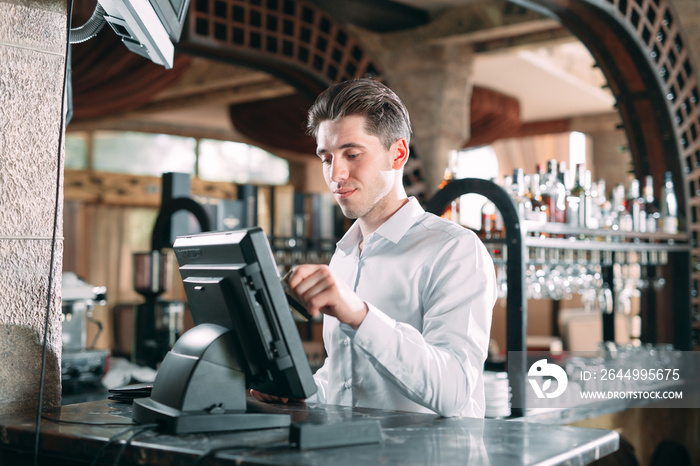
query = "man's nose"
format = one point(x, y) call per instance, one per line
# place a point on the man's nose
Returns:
point(339, 170)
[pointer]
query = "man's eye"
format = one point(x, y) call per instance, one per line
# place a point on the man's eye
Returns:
point(352, 156)
point(326, 161)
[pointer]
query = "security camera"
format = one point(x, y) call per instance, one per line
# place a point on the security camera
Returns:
point(140, 28)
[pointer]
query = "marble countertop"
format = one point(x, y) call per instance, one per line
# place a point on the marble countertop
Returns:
point(81, 431)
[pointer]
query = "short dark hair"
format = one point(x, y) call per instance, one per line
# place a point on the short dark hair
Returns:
point(386, 116)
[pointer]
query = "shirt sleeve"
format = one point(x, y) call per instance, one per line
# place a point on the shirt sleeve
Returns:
point(321, 380)
point(439, 366)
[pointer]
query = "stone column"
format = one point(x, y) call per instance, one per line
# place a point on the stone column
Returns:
point(32, 51)
point(433, 81)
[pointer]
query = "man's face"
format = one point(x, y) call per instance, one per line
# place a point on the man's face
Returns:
point(356, 167)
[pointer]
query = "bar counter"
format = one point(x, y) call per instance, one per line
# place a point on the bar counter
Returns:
point(407, 438)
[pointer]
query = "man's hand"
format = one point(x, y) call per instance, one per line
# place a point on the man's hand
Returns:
point(320, 291)
point(264, 397)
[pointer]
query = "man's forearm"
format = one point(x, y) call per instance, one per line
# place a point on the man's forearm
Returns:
point(430, 375)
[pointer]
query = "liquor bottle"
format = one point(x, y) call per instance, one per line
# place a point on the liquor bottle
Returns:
point(554, 194)
point(544, 175)
point(488, 219)
point(541, 170)
point(546, 191)
point(452, 212)
point(635, 205)
point(606, 209)
point(507, 183)
point(653, 215)
point(576, 200)
point(522, 202)
point(526, 185)
point(669, 206)
point(587, 217)
point(597, 202)
point(561, 207)
point(622, 218)
point(538, 209)
point(608, 213)
point(565, 176)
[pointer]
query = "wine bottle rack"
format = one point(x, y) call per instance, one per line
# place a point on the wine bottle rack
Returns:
point(522, 244)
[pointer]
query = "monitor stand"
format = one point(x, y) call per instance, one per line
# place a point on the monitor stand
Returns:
point(200, 388)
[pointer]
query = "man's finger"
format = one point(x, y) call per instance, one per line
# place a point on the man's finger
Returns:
point(264, 397)
point(320, 274)
point(317, 296)
point(300, 273)
point(257, 395)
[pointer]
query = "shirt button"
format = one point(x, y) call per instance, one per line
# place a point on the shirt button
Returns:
point(347, 385)
point(347, 341)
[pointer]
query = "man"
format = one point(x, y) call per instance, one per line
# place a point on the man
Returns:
point(407, 297)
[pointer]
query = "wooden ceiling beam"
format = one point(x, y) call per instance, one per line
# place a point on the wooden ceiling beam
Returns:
point(155, 127)
point(254, 91)
point(241, 94)
point(204, 75)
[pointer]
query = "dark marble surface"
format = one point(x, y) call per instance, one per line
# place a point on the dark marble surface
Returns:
point(408, 438)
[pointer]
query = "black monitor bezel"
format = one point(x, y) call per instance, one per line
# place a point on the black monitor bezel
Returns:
point(278, 367)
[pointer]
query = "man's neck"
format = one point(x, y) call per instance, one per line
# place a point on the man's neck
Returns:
point(370, 223)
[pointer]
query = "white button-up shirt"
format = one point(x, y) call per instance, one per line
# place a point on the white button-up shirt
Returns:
point(430, 288)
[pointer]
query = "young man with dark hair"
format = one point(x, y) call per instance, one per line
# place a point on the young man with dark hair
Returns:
point(407, 297)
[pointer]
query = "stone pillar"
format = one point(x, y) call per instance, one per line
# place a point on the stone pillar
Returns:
point(433, 81)
point(32, 51)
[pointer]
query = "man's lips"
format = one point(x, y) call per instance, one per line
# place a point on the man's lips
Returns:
point(343, 193)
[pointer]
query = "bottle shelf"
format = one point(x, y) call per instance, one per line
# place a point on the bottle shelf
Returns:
point(596, 245)
point(539, 250)
point(600, 235)
point(583, 239)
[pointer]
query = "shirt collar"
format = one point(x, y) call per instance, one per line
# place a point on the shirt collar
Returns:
point(393, 229)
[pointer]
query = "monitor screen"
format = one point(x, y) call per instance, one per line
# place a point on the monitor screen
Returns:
point(244, 337)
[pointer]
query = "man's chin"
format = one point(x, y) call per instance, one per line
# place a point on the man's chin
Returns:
point(350, 213)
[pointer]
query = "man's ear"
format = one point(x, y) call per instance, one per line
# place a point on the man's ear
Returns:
point(400, 154)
